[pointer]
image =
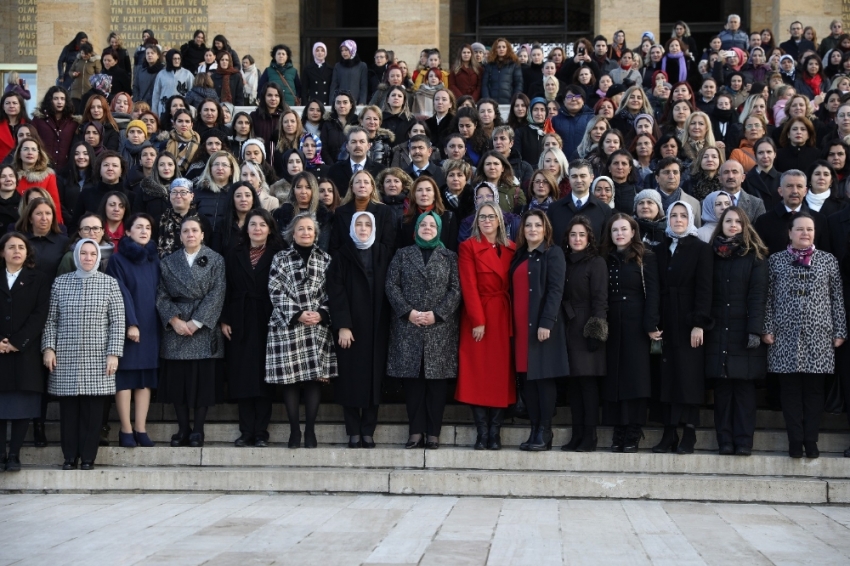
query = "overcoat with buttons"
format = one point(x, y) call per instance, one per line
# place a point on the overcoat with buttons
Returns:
point(546, 275)
point(633, 297)
point(686, 280)
point(585, 296)
point(316, 83)
point(23, 313)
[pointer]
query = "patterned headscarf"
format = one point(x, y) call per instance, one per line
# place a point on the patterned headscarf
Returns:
point(317, 159)
point(352, 47)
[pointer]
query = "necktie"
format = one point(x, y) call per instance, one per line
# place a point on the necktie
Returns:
point(357, 167)
point(578, 203)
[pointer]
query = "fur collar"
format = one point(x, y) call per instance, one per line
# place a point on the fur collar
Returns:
point(136, 253)
point(381, 133)
point(36, 176)
point(154, 189)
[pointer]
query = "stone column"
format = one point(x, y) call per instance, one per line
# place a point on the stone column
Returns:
point(249, 29)
point(634, 18)
point(287, 29)
point(409, 26)
point(58, 23)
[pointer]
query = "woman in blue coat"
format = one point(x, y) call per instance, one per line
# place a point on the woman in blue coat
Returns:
point(136, 268)
point(502, 78)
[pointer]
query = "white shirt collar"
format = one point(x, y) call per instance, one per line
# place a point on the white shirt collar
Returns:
point(584, 198)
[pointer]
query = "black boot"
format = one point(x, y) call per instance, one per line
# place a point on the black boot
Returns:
point(532, 433)
point(104, 435)
point(578, 435)
point(618, 439)
point(38, 434)
point(589, 441)
point(494, 439)
point(633, 435)
point(479, 415)
point(669, 442)
point(689, 439)
point(543, 438)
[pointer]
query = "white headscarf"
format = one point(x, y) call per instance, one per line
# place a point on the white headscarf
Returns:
point(368, 243)
point(82, 273)
point(691, 230)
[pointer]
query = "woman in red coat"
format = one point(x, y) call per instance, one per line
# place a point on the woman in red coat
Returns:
point(465, 75)
point(32, 166)
point(486, 373)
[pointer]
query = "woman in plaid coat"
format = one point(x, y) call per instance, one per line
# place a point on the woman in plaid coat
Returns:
point(81, 344)
point(299, 351)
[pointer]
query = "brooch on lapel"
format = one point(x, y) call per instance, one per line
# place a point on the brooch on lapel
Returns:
point(202, 261)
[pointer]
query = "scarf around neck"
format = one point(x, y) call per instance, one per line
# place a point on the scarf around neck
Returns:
point(728, 247)
point(801, 257)
point(680, 59)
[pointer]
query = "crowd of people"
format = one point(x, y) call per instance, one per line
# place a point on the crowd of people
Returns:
point(644, 226)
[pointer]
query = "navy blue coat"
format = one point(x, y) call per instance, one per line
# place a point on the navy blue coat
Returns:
point(137, 271)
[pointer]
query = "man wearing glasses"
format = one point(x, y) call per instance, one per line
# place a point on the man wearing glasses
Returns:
point(572, 118)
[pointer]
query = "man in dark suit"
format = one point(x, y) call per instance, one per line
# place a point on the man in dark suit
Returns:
point(772, 226)
point(797, 45)
point(763, 180)
point(358, 150)
point(579, 201)
point(420, 151)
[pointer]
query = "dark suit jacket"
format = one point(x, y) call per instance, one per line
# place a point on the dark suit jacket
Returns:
point(562, 211)
point(340, 173)
point(772, 227)
point(794, 49)
point(839, 233)
point(433, 170)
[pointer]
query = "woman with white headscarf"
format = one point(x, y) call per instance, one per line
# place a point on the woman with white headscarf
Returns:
point(685, 266)
point(360, 321)
point(316, 77)
point(81, 344)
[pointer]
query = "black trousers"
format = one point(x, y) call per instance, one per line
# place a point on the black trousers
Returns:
point(584, 400)
point(540, 398)
point(360, 422)
point(426, 401)
point(802, 404)
point(80, 420)
point(19, 431)
point(735, 411)
point(254, 416)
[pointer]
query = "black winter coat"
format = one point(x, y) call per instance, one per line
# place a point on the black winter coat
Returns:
point(562, 211)
point(49, 251)
point(340, 173)
point(213, 206)
point(23, 314)
point(796, 158)
point(247, 309)
point(686, 282)
point(765, 188)
point(772, 228)
point(501, 82)
point(152, 198)
point(546, 277)
point(527, 140)
point(633, 312)
point(399, 125)
point(316, 83)
point(358, 301)
point(624, 197)
point(237, 87)
point(585, 296)
point(333, 137)
point(9, 211)
point(737, 307)
point(90, 198)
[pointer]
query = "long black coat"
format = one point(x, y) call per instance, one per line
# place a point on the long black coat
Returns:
point(247, 309)
point(358, 302)
point(585, 296)
point(546, 276)
point(737, 307)
point(316, 83)
point(632, 313)
point(764, 187)
point(686, 282)
point(772, 228)
point(23, 314)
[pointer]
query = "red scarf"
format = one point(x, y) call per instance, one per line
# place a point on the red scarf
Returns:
point(625, 67)
point(813, 83)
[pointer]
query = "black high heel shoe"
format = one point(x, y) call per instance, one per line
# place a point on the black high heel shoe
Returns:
point(70, 465)
point(367, 442)
point(196, 439)
point(294, 439)
point(420, 443)
point(354, 441)
point(310, 440)
point(180, 439)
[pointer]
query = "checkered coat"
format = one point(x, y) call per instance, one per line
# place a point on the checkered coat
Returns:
point(85, 323)
point(296, 352)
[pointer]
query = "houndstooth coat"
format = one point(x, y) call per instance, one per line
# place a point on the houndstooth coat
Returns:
point(805, 312)
point(296, 352)
point(85, 324)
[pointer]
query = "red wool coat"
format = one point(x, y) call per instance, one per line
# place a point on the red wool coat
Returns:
point(465, 81)
point(486, 370)
point(45, 180)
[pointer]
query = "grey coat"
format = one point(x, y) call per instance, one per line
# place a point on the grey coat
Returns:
point(411, 284)
point(191, 293)
point(805, 313)
point(85, 323)
point(353, 77)
point(752, 205)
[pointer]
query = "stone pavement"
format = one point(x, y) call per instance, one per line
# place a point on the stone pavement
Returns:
point(330, 530)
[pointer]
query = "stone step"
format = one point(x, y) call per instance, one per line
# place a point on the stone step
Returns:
point(454, 414)
point(341, 458)
point(455, 482)
point(464, 435)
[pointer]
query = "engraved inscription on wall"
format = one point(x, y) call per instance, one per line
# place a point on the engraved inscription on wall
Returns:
point(18, 31)
point(172, 21)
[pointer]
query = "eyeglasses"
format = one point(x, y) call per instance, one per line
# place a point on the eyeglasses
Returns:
point(487, 218)
point(181, 194)
point(221, 165)
point(539, 182)
point(752, 126)
point(91, 229)
point(572, 96)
